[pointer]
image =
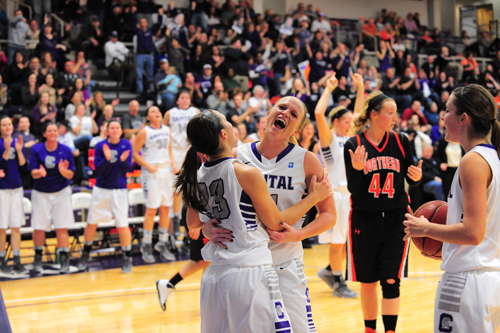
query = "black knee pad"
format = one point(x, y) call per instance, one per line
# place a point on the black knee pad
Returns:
point(390, 290)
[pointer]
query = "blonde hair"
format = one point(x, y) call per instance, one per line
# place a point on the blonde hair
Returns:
point(364, 115)
point(333, 113)
point(302, 124)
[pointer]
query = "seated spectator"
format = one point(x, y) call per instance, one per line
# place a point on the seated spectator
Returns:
point(81, 68)
point(426, 86)
point(78, 86)
point(242, 133)
point(83, 128)
point(238, 114)
point(48, 66)
point(30, 95)
point(205, 80)
point(469, 64)
point(197, 61)
point(76, 99)
point(387, 34)
point(416, 109)
point(67, 80)
point(55, 97)
point(432, 114)
point(97, 104)
point(444, 83)
point(429, 66)
point(257, 71)
point(168, 85)
point(236, 57)
point(418, 139)
point(399, 45)
point(34, 68)
point(259, 102)
point(399, 63)
point(116, 53)
point(321, 23)
point(385, 55)
point(15, 71)
point(132, 121)
point(218, 100)
point(410, 24)
point(488, 80)
point(437, 130)
point(443, 98)
point(409, 85)
point(43, 112)
point(35, 36)
point(216, 60)
point(23, 130)
point(66, 138)
point(230, 84)
point(103, 135)
point(92, 41)
point(432, 183)
point(107, 114)
point(194, 90)
point(369, 34)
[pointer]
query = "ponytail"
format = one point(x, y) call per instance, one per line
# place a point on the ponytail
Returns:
point(495, 135)
point(187, 182)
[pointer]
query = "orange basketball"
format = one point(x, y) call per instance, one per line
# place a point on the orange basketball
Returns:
point(435, 211)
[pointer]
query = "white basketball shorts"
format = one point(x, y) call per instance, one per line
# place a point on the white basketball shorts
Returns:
point(468, 302)
point(109, 203)
point(53, 208)
point(11, 208)
point(158, 187)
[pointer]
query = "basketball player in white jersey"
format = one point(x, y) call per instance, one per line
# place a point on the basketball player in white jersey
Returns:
point(239, 290)
point(157, 173)
point(261, 129)
point(332, 138)
point(468, 294)
point(287, 168)
point(177, 119)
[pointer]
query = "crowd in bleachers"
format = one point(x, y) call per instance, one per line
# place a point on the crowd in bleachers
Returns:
point(231, 59)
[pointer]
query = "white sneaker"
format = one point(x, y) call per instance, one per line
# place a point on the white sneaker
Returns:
point(164, 288)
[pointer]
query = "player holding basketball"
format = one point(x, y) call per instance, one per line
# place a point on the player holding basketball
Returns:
point(113, 159)
point(52, 167)
point(12, 162)
point(177, 119)
point(287, 168)
point(157, 172)
point(468, 294)
point(332, 139)
point(377, 162)
point(240, 278)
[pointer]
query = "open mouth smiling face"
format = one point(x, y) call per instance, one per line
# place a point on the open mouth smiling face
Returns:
point(285, 115)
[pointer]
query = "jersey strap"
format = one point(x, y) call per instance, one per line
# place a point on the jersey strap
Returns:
point(359, 140)
point(399, 143)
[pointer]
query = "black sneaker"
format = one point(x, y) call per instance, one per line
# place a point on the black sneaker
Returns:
point(64, 263)
point(37, 264)
point(83, 262)
point(18, 267)
point(4, 267)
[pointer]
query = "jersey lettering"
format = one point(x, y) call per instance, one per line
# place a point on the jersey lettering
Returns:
point(12, 154)
point(50, 162)
point(279, 182)
point(445, 323)
point(162, 143)
point(220, 210)
point(113, 158)
point(381, 163)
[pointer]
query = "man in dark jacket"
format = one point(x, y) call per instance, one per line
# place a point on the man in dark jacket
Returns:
point(237, 57)
point(431, 182)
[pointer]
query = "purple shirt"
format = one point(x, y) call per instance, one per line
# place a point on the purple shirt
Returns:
point(53, 181)
point(11, 167)
point(112, 174)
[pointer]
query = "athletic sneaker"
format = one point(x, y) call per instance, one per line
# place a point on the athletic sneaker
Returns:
point(163, 249)
point(147, 253)
point(326, 276)
point(37, 264)
point(84, 260)
point(126, 264)
point(164, 288)
point(18, 267)
point(342, 290)
point(64, 263)
point(4, 267)
point(171, 243)
point(177, 227)
point(370, 330)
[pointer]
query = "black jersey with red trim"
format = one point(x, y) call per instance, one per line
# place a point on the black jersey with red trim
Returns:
point(379, 187)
